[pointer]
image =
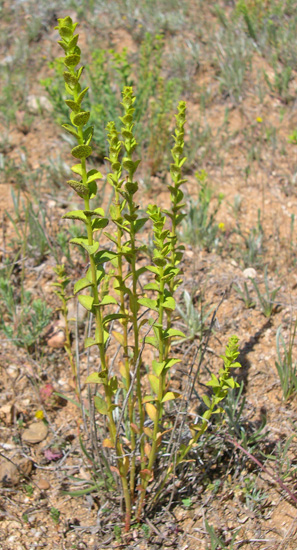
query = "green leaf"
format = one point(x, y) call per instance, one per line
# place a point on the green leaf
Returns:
point(154, 382)
point(173, 332)
point(83, 241)
point(81, 119)
point(170, 362)
point(80, 188)
point(93, 175)
point(169, 396)
point(65, 32)
point(147, 302)
point(206, 400)
point(152, 341)
point(104, 256)
point(169, 303)
point(70, 79)
point(70, 130)
point(86, 301)
point(81, 284)
point(113, 317)
point(139, 224)
point(108, 300)
point(214, 383)
point(100, 405)
point(90, 342)
point(72, 60)
point(73, 105)
point(82, 95)
point(94, 378)
point(77, 169)
point(99, 223)
point(129, 165)
point(111, 237)
point(157, 367)
point(152, 286)
point(81, 151)
point(88, 134)
point(153, 269)
point(75, 215)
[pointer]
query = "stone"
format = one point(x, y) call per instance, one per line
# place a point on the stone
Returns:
point(35, 433)
point(43, 484)
point(9, 474)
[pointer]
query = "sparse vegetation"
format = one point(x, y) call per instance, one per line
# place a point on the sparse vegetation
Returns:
point(107, 352)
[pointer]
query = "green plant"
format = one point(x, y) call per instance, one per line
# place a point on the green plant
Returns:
point(267, 299)
point(237, 426)
point(254, 497)
point(286, 367)
point(252, 251)
point(134, 316)
point(61, 284)
point(233, 58)
point(29, 490)
point(55, 515)
point(280, 84)
point(194, 316)
point(23, 318)
point(30, 229)
point(217, 542)
point(199, 226)
point(244, 295)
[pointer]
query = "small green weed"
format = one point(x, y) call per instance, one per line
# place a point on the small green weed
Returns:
point(199, 228)
point(23, 318)
point(194, 316)
point(251, 253)
point(216, 542)
point(244, 295)
point(267, 298)
point(55, 515)
point(285, 364)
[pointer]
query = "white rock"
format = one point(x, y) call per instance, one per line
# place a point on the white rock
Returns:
point(250, 272)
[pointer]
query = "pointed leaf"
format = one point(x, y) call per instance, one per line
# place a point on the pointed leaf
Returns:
point(75, 215)
point(81, 284)
point(77, 169)
point(147, 302)
point(78, 186)
point(154, 382)
point(108, 300)
point(93, 175)
point(170, 395)
point(151, 411)
point(100, 405)
point(90, 342)
point(157, 367)
point(83, 241)
point(70, 130)
point(94, 378)
point(119, 337)
point(86, 301)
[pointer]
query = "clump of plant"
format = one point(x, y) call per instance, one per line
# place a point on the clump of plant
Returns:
point(285, 364)
point(199, 228)
point(22, 317)
point(132, 407)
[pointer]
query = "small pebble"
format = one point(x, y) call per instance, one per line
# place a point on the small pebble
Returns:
point(43, 484)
